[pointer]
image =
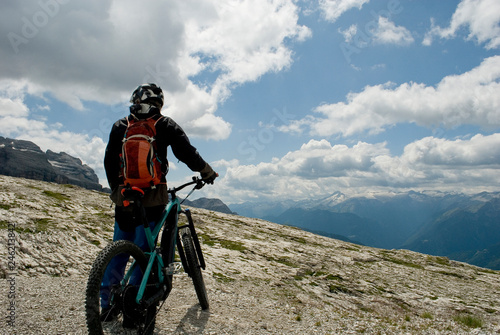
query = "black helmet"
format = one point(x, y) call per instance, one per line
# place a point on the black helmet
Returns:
point(148, 93)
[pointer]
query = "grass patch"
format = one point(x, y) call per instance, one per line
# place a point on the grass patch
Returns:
point(469, 320)
point(339, 289)
point(42, 224)
point(452, 274)
point(232, 245)
point(427, 315)
point(5, 206)
point(283, 260)
point(488, 271)
point(56, 195)
point(96, 242)
point(334, 277)
point(206, 239)
point(222, 278)
point(404, 263)
point(438, 260)
point(299, 240)
point(4, 224)
point(227, 244)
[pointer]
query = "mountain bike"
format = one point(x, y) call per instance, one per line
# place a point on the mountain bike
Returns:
point(133, 296)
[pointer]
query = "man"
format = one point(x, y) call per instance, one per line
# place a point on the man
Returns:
point(147, 101)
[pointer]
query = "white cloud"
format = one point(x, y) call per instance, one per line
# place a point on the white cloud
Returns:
point(481, 17)
point(457, 154)
point(333, 9)
point(100, 51)
point(349, 33)
point(10, 107)
point(470, 98)
point(319, 168)
point(388, 33)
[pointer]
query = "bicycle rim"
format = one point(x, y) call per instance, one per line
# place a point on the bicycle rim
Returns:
point(194, 269)
point(122, 310)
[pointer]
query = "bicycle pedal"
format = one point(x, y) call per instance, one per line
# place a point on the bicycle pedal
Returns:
point(173, 268)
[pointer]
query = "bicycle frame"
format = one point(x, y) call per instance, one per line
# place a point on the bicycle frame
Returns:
point(152, 236)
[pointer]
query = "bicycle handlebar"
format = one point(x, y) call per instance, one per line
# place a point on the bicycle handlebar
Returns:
point(131, 191)
point(199, 184)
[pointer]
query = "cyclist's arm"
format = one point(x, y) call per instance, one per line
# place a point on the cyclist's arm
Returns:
point(170, 133)
point(112, 154)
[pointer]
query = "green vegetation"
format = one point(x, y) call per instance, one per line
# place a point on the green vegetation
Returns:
point(222, 278)
point(56, 195)
point(438, 260)
point(451, 274)
point(402, 262)
point(96, 242)
point(227, 244)
point(469, 320)
point(283, 260)
point(299, 240)
point(42, 224)
point(232, 245)
point(339, 289)
point(334, 277)
point(427, 315)
point(5, 206)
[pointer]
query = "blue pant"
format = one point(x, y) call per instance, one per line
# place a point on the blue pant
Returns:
point(116, 268)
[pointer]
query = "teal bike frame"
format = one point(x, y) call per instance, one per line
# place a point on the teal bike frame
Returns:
point(152, 236)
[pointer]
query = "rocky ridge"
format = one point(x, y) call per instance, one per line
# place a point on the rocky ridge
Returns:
point(19, 158)
point(262, 278)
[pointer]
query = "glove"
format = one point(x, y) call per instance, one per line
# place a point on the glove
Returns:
point(208, 174)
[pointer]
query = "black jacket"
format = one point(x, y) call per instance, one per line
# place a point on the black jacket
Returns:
point(168, 133)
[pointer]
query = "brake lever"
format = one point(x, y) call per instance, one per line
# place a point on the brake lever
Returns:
point(199, 183)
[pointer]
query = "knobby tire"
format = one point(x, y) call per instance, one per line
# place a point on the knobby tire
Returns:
point(92, 303)
point(194, 269)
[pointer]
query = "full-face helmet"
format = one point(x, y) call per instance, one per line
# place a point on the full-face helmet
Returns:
point(148, 94)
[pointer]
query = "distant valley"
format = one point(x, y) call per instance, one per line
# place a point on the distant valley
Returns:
point(461, 227)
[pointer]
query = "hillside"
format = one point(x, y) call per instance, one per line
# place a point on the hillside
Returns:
point(262, 278)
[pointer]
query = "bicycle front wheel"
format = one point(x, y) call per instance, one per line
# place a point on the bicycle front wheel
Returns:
point(194, 268)
point(110, 297)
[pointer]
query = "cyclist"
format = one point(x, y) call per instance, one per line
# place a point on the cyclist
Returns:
point(147, 101)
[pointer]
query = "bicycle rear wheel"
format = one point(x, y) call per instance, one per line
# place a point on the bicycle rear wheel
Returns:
point(110, 301)
point(193, 267)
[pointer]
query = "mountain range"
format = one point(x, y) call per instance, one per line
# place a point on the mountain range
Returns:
point(210, 204)
point(19, 158)
point(461, 227)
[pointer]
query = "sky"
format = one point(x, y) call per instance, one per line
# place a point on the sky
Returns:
point(287, 100)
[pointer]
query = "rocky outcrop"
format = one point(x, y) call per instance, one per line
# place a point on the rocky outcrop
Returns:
point(19, 158)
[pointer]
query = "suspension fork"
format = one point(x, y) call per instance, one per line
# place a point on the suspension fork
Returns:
point(196, 241)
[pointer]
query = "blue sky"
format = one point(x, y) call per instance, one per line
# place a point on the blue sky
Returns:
point(285, 99)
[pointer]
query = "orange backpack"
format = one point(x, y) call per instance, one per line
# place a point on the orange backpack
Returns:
point(140, 164)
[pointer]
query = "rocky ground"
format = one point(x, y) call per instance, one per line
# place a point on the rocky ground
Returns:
point(262, 278)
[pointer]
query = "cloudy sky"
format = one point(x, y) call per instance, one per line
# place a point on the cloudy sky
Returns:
point(286, 99)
